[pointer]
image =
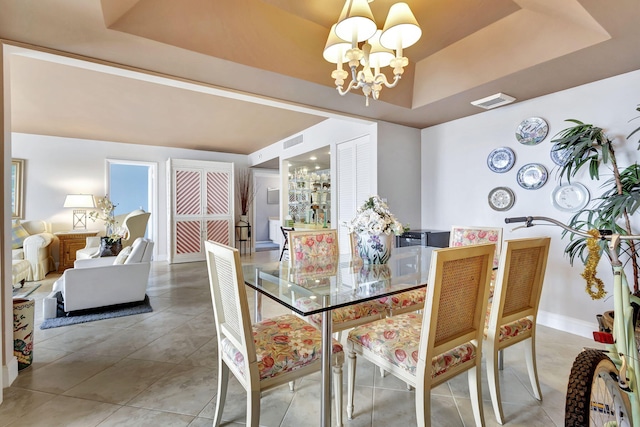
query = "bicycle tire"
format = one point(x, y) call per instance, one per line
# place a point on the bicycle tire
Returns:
point(593, 396)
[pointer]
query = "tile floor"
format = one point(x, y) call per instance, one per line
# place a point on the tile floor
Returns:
point(159, 369)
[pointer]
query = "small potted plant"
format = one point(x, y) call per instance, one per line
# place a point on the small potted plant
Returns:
point(111, 243)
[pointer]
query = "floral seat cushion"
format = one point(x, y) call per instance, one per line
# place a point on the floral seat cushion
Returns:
point(396, 339)
point(283, 344)
point(343, 314)
point(405, 299)
point(509, 330)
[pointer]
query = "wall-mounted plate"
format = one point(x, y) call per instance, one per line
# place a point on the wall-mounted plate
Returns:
point(559, 157)
point(501, 159)
point(532, 131)
point(570, 197)
point(501, 198)
point(532, 176)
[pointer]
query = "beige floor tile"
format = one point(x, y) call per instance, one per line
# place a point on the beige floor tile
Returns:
point(121, 382)
point(137, 417)
point(65, 411)
point(183, 390)
point(172, 347)
point(63, 374)
point(18, 402)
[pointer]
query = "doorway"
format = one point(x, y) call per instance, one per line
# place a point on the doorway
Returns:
point(133, 185)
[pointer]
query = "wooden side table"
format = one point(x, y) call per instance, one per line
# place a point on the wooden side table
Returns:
point(70, 242)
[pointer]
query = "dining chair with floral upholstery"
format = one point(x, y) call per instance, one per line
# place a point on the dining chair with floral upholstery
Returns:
point(314, 254)
point(511, 315)
point(425, 350)
point(463, 235)
point(264, 355)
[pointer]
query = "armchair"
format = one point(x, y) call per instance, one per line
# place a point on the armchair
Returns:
point(102, 282)
point(135, 224)
point(31, 241)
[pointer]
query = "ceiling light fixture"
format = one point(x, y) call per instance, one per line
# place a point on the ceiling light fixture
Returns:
point(355, 25)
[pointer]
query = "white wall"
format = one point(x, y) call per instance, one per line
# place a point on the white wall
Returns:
point(399, 171)
point(57, 166)
point(456, 180)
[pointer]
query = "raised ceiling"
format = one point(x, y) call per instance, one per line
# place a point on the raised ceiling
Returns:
point(238, 75)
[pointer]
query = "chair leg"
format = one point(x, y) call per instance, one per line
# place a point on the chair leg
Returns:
point(253, 408)
point(337, 391)
point(530, 349)
point(423, 405)
point(383, 373)
point(475, 390)
point(223, 381)
point(351, 380)
point(292, 386)
point(501, 360)
point(282, 253)
point(494, 382)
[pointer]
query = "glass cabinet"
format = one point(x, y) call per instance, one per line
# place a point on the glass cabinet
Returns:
point(310, 197)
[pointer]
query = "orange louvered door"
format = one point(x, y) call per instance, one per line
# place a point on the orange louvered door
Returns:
point(202, 207)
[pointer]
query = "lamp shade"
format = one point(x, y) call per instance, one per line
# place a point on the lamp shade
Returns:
point(79, 201)
point(379, 55)
point(335, 47)
point(401, 29)
point(356, 21)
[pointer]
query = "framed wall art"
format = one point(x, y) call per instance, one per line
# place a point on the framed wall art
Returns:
point(17, 188)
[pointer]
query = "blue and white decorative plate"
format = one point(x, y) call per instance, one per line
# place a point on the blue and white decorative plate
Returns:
point(501, 159)
point(570, 197)
point(560, 157)
point(532, 176)
point(532, 131)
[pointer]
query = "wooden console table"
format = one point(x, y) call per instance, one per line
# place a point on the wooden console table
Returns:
point(70, 242)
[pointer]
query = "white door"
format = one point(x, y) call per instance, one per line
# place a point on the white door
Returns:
point(356, 171)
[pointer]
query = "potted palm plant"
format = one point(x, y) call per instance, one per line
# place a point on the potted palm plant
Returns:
point(586, 145)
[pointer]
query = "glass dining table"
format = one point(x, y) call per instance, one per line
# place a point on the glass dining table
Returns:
point(344, 283)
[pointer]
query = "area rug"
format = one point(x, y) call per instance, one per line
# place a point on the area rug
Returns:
point(98, 314)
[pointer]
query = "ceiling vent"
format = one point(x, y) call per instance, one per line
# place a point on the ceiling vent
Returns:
point(493, 101)
point(293, 141)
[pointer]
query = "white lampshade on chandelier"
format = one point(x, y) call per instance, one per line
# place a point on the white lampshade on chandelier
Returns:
point(356, 24)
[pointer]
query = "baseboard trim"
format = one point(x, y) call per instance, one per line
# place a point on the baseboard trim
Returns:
point(9, 372)
point(567, 324)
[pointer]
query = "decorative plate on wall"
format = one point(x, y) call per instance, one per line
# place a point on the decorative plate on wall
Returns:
point(501, 198)
point(559, 157)
point(532, 176)
point(532, 131)
point(570, 197)
point(501, 159)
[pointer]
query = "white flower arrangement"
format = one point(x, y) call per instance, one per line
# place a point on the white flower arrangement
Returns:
point(105, 213)
point(375, 217)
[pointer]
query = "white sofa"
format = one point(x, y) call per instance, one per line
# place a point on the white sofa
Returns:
point(99, 282)
point(36, 248)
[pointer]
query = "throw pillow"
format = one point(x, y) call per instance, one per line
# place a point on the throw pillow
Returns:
point(18, 234)
point(122, 256)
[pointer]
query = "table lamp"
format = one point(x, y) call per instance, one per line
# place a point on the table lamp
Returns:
point(79, 215)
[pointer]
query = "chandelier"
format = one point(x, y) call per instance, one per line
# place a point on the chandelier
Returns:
point(356, 25)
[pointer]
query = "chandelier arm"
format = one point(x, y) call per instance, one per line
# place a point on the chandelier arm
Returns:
point(381, 78)
point(352, 85)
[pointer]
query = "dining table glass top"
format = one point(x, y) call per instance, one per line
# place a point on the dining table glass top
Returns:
point(346, 281)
